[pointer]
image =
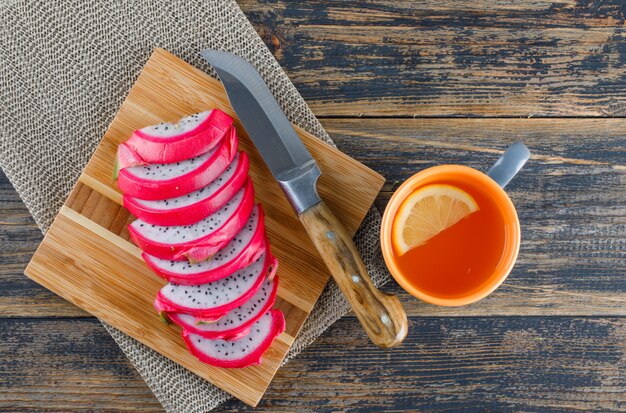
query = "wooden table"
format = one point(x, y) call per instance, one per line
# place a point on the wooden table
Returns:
point(402, 86)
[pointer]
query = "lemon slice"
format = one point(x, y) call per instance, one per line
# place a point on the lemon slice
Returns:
point(428, 211)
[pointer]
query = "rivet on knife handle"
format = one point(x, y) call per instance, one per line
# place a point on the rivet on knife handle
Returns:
point(381, 315)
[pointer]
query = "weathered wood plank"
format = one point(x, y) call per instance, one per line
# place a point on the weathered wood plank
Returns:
point(448, 364)
point(466, 364)
point(429, 58)
point(19, 237)
point(570, 198)
point(67, 365)
point(450, 58)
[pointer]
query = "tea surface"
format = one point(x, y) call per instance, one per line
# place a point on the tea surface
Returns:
point(461, 258)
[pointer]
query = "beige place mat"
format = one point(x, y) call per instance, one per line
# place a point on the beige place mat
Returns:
point(65, 68)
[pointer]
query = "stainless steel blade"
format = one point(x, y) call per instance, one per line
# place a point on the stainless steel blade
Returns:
point(278, 143)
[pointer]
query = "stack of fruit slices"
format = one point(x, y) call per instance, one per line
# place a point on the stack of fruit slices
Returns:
point(199, 228)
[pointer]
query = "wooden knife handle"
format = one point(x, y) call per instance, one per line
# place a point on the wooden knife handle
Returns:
point(381, 315)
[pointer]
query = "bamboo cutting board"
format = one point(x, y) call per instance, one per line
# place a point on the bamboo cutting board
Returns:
point(87, 258)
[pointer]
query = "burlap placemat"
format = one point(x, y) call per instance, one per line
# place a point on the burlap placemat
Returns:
point(65, 68)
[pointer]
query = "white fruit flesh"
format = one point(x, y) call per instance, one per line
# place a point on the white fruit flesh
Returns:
point(164, 171)
point(226, 254)
point(216, 293)
point(196, 196)
point(235, 350)
point(184, 125)
point(237, 316)
point(187, 233)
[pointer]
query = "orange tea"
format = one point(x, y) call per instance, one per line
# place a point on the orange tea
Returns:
point(461, 258)
point(450, 235)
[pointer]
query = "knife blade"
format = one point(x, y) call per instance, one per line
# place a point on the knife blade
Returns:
point(271, 132)
point(381, 315)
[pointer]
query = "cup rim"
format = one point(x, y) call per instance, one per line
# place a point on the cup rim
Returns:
point(405, 189)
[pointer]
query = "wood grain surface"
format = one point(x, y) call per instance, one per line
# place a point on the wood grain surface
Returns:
point(551, 339)
point(86, 256)
point(450, 58)
point(500, 364)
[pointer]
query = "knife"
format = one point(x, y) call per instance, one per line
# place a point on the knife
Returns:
point(381, 315)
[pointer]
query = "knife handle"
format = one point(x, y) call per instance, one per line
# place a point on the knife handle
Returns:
point(381, 315)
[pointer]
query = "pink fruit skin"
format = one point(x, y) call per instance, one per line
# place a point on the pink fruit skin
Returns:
point(258, 244)
point(164, 305)
point(233, 333)
point(278, 326)
point(127, 156)
point(192, 213)
point(153, 149)
point(134, 186)
point(205, 247)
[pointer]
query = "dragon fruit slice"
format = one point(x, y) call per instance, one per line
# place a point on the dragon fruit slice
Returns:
point(167, 142)
point(245, 248)
point(170, 180)
point(238, 320)
point(198, 241)
point(242, 352)
point(195, 206)
point(213, 300)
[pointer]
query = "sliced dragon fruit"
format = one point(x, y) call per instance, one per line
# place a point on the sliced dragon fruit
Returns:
point(167, 142)
point(170, 180)
point(195, 206)
point(241, 251)
point(199, 241)
point(242, 352)
point(211, 301)
point(238, 320)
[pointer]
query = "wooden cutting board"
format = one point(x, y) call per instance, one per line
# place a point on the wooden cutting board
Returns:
point(87, 258)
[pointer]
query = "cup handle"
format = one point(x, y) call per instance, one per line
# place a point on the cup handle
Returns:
point(509, 164)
